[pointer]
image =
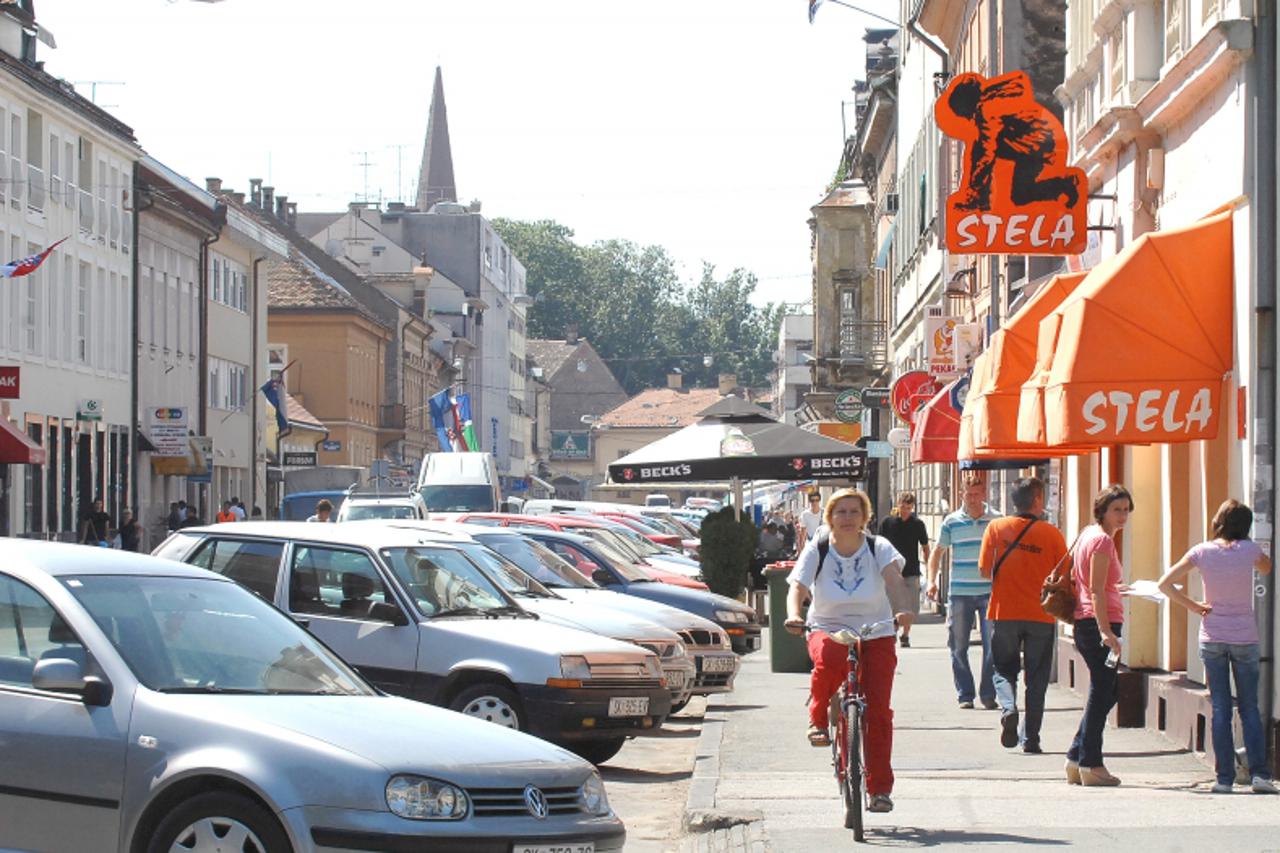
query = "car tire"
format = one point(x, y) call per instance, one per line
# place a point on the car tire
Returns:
point(220, 820)
point(677, 707)
point(598, 751)
point(493, 703)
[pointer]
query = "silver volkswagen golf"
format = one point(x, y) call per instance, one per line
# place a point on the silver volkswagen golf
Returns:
point(148, 706)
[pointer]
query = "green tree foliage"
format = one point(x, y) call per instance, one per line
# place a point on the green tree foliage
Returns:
point(629, 301)
point(726, 551)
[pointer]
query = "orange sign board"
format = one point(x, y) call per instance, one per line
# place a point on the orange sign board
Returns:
point(840, 431)
point(1017, 194)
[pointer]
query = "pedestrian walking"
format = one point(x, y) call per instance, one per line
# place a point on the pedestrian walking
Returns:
point(192, 519)
point(1018, 553)
point(1229, 642)
point(324, 510)
point(130, 531)
point(968, 592)
point(853, 578)
point(226, 514)
point(95, 525)
point(810, 520)
point(788, 531)
point(174, 519)
point(238, 509)
point(1099, 617)
point(909, 536)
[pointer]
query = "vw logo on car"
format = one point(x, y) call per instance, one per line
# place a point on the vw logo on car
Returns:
point(536, 802)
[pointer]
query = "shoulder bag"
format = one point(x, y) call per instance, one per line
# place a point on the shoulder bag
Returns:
point(1058, 594)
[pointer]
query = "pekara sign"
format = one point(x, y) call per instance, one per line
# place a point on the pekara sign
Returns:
point(1017, 194)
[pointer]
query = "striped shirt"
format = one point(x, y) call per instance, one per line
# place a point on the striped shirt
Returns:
point(962, 533)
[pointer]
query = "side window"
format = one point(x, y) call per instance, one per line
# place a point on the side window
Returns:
point(332, 582)
point(254, 565)
point(31, 630)
point(180, 543)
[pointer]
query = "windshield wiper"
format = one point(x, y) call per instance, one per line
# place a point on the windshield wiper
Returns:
point(458, 611)
point(213, 688)
point(510, 610)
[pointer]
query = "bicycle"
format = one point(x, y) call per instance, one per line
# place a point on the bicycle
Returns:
point(845, 720)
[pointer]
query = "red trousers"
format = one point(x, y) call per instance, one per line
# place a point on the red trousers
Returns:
point(878, 662)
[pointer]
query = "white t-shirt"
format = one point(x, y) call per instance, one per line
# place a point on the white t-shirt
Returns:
point(239, 512)
point(811, 521)
point(850, 592)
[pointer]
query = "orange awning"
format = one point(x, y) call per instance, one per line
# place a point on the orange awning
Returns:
point(1138, 354)
point(17, 448)
point(935, 429)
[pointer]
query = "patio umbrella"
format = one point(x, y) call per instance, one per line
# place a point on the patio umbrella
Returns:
point(734, 439)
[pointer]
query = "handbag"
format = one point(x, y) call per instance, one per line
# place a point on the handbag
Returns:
point(1058, 593)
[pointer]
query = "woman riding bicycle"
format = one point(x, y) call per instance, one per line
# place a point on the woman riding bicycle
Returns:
point(854, 587)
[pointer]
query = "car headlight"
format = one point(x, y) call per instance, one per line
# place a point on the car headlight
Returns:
point(679, 651)
point(725, 642)
point(730, 616)
point(575, 667)
point(594, 799)
point(420, 798)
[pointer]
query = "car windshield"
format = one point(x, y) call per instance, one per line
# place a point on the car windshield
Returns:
point(508, 575)
point(537, 560)
point(663, 526)
point(477, 498)
point(616, 541)
point(361, 512)
point(442, 581)
point(197, 635)
point(611, 557)
point(634, 541)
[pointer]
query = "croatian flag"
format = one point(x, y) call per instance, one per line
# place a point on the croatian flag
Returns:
point(462, 421)
point(28, 265)
point(813, 8)
point(273, 390)
point(442, 407)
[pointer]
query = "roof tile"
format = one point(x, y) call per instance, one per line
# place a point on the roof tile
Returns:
point(661, 407)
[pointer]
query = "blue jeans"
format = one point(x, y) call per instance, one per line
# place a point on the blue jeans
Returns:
point(961, 612)
point(1086, 748)
point(1220, 661)
point(1015, 644)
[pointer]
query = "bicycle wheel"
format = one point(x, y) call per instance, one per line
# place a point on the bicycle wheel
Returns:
point(853, 781)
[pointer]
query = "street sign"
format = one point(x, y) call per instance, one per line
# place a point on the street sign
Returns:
point(879, 450)
point(849, 405)
point(89, 410)
point(570, 444)
point(10, 379)
point(300, 459)
point(167, 430)
point(875, 398)
point(899, 438)
point(329, 445)
point(959, 391)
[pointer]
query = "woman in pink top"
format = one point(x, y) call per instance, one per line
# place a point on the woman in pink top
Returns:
point(1098, 619)
point(1228, 637)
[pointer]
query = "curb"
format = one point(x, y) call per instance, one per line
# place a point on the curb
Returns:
point(700, 814)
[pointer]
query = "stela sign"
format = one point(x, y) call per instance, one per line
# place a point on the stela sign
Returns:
point(1017, 194)
point(10, 382)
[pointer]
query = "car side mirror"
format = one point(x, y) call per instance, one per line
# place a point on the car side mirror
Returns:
point(62, 675)
point(384, 611)
point(604, 577)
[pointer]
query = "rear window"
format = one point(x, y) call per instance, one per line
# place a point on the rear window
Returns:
point(459, 498)
point(364, 512)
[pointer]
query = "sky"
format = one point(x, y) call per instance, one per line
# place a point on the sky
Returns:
point(709, 127)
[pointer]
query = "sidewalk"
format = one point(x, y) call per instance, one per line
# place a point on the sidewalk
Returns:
point(955, 784)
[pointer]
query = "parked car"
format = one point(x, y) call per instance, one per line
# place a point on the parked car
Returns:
point(677, 665)
point(458, 482)
point(716, 665)
point(420, 620)
point(610, 570)
point(358, 507)
point(146, 705)
point(299, 506)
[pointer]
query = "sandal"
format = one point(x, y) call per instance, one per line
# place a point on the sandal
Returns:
point(879, 803)
point(818, 737)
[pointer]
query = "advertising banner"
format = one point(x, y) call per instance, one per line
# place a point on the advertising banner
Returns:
point(167, 429)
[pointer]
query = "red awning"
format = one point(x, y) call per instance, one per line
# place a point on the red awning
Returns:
point(17, 448)
point(935, 430)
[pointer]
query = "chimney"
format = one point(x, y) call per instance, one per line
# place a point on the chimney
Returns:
point(213, 185)
point(675, 381)
point(268, 199)
point(255, 191)
point(728, 381)
point(282, 207)
point(291, 215)
point(395, 207)
point(571, 333)
point(238, 197)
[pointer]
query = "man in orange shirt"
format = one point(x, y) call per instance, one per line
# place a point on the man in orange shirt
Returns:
point(1018, 553)
point(226, 514)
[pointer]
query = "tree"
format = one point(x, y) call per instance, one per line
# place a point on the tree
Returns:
point(726, 551)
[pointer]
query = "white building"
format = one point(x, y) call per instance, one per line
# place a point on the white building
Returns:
point(794, 371)
point(66, 171)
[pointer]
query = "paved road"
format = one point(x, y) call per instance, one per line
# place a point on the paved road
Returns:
point(956, 785)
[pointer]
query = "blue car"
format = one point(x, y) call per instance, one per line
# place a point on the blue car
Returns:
point(613, 571)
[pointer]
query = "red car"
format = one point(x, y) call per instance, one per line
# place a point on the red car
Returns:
point(570, 524)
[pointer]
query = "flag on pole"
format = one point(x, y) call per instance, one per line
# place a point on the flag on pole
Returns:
point(273, 390)
point(813, 8)
point(462, 418)
point(441, 404)
point(28, 265)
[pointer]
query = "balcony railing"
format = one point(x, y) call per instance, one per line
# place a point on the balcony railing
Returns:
point(864, 342)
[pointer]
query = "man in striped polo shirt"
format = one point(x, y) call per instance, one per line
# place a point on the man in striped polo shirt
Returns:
point(969, 591)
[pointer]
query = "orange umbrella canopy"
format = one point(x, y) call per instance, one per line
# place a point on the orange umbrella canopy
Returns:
point(1138, 354)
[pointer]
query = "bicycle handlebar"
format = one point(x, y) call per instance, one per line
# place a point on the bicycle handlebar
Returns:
point(847, 637)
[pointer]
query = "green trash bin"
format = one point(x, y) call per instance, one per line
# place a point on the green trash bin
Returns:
point(787, 651)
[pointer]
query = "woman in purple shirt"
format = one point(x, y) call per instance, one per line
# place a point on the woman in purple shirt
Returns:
point(1228, 637)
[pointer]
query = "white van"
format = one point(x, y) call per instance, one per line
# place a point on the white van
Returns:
point(459, 482)
point(657, 499)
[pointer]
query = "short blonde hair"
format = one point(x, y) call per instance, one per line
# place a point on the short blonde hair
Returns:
point(840, 494)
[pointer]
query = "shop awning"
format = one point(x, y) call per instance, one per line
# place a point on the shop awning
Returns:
point(17, 448)
point(935, 429)
point(1138, 354)
point(990, 417)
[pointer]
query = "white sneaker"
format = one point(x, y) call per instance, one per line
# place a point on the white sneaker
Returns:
point(1264, 786)
point(1220, 788)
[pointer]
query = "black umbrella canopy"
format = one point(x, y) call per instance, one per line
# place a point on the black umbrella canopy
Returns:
point(734, 438)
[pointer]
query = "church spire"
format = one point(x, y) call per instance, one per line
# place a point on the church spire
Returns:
point(435, 180)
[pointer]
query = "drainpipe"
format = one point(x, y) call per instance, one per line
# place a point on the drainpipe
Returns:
point(203, 359)
point(253, 421)
point(1263, 220)
point(928, 41)
point(134, 326)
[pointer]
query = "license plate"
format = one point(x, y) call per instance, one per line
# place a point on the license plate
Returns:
point(636, 706)
point(720, 664)
point(676, 679)
point(588, 847)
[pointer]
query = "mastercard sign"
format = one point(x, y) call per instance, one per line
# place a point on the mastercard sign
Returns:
point(909, 392)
